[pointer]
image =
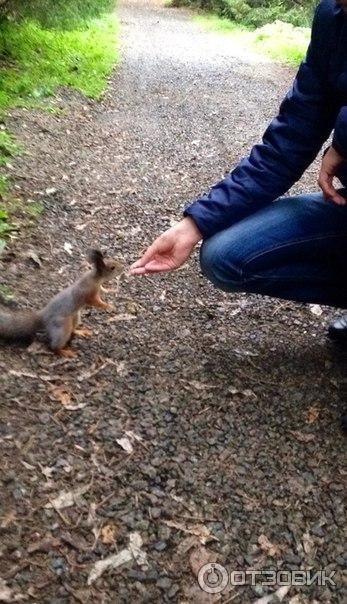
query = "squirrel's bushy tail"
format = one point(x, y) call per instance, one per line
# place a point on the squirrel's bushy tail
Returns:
point(19, 326)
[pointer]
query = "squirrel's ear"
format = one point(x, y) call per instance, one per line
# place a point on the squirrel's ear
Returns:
point(97, 258)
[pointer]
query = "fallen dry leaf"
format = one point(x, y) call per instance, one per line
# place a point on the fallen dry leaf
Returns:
point(51, 191)
point(76, 542)
point(312, 415)
point(186, 544)
point(199, 557)
point(121, 368)
point(308, 544)
point(133, 307)
point(302, 437)
point(277, 596)
point(201, 386)
point(44, 545)
point(67, 498)
point(23, 374)
point(8, 519)
point(68, 248)
point(269, 548)
point(61, 395)
point(7, 594)
point(133, 552)
point(92, 518)
point(195, 595)
point(199, 530)
point(125, 444)
point(94, 370)
point(31, 255)
point(75, 407)
point(133, 436)
point(108, 534)
point(298, 600)
point(122, 317)
point(47, 471)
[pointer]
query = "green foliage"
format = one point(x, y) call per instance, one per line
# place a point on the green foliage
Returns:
point(255, 13)
point(290, 11)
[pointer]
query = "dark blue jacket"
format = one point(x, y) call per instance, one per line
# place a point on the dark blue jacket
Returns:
point(316, 104)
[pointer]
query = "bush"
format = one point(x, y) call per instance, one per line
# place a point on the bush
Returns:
point(255, 13)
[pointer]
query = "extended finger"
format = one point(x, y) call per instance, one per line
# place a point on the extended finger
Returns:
point(137, 271)
point(146, 257)
point(157, 267)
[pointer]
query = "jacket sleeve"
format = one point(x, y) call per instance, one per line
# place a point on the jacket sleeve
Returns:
point(290, 144)
point(340, 133)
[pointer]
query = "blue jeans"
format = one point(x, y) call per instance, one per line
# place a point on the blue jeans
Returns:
point(295, 249)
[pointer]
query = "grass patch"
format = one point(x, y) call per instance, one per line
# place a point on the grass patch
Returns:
point(5, 292)
point(5, 225)
point(16, 215)
point(39, 60)
point(221, 24)
point(34, 209)
point(3, 185)
point(8, 148)
point(280, 41)
point(44, 45)
point(283, 41)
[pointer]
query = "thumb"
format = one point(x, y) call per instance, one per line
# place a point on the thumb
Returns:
point(327, 186)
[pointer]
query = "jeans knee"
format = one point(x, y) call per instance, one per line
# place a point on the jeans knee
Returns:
point(219, 266)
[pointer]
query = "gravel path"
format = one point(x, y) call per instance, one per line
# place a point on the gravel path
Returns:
point(236, 399)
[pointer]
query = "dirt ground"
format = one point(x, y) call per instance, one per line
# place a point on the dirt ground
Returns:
point(230, 404)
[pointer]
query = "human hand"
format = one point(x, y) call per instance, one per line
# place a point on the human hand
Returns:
point(170, 250)
point(331, 163)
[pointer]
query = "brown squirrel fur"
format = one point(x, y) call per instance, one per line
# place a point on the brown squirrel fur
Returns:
point(60, 317)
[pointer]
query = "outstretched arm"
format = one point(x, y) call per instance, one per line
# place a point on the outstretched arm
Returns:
point(290, 144)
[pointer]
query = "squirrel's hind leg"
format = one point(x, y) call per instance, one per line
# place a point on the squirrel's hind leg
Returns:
point(59, 333)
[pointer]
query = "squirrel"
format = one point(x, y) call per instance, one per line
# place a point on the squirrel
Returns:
point(59, 319)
